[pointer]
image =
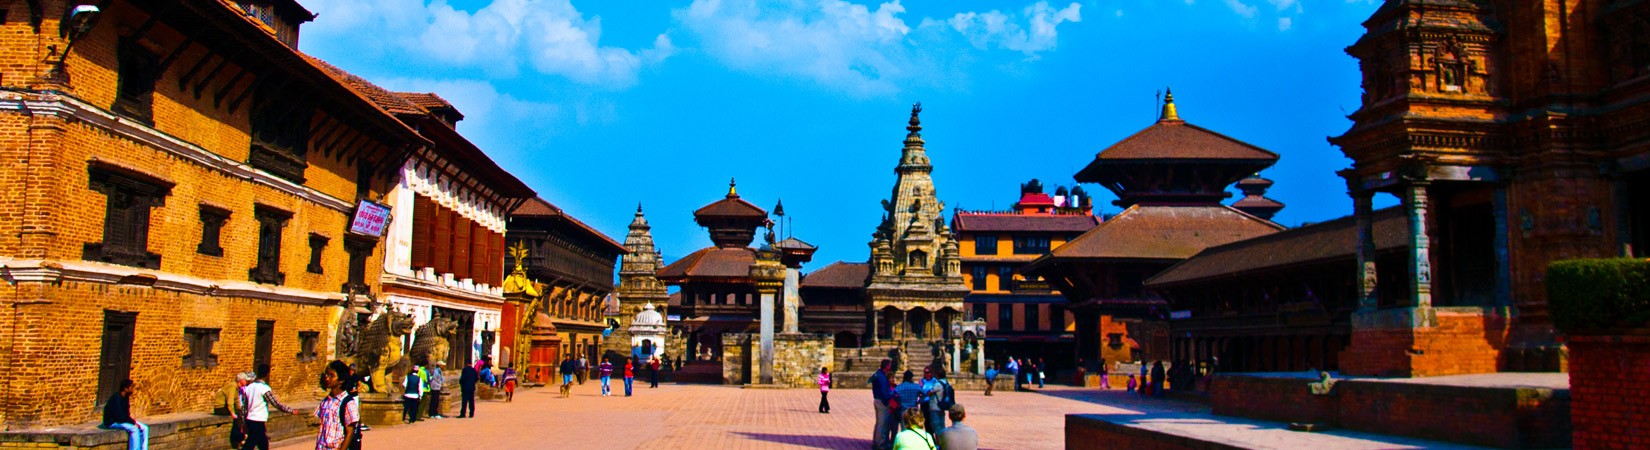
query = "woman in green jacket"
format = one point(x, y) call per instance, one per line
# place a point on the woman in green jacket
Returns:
point(912, 437)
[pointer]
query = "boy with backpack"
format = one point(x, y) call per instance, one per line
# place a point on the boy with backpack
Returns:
point(339, 415)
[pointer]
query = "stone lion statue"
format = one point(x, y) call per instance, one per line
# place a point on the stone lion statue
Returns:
point(379, 352)
point(433, 341)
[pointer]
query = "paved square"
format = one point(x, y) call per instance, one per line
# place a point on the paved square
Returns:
point(728, 418)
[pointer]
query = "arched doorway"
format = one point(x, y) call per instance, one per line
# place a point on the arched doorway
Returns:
point(920, 322)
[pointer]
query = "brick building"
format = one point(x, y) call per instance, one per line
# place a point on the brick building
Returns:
point(1514, 134)
point(1024, 315)
point(188, 196)
point(445, 256)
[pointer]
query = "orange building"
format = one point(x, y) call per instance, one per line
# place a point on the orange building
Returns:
point(1024, 315)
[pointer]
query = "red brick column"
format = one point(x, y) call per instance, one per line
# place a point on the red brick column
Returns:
point(1610, 391)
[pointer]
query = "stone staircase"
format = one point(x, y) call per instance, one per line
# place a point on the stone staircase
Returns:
point(854, 366)
point(700, 372)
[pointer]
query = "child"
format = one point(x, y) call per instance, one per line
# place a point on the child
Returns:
point(509, 383)
point(1132, 383)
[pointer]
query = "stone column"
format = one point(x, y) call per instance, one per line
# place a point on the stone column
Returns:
point(1420, 246)
point(769, 276)
point(793, 300)
point(956, 356)
point(979, 356)
point(1361, 211)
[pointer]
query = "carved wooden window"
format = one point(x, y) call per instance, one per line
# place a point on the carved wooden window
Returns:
point(212, 220)
point(307, 340)
point(200, 341)
point(359, 250)
point(1031, 245)
point(135, 92)
point(317, 246)
point(985, 245)
point(270, 223)
point(280, 135)
point(130, 196)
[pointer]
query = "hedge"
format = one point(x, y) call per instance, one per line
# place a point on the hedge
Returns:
point(1599, 295)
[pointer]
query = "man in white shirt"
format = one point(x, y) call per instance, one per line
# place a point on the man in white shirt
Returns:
point(256, 399)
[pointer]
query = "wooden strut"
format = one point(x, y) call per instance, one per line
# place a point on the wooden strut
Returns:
point(183, 81)
point(213, 74)
point(217, 98)
point(326, 133)
point(259, 83)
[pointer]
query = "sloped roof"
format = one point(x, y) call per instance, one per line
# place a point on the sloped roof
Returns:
point(388, 101)
point(427, 100)
point(1176, 139)
point(1314, 243)
point(1036, 199)
point(1068, 223)
point(1256, 202)
point(538, 207)
point(843, 275)
point(711, 262)
point(1164, 232)
point(731, 206)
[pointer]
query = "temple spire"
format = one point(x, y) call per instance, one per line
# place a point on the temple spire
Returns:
point(1169, 112)
point(916, 124)
point(732, 188)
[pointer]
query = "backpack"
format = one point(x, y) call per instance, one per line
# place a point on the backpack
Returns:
point(948, 398)
point(355, 438)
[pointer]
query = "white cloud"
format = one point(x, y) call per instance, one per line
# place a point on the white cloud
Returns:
point(1242, 9)
point(550, 36)
point(994, 27)
point(1284, 23)
point(861, 49)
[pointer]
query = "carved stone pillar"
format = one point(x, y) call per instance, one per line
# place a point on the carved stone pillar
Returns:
point(1420, 246)
point(769, 276)
point(1368, 299)
point(793, 298)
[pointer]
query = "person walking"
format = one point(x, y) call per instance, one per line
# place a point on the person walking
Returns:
point(467, 380)
point(339, 415)
point(1145, 380)
point(412, 389)
point(1105, 377)
point(958, 436)
point(509, 380)
point(257, 398)
point(881, 394)
point(437, 383)
point(1132, 383)
point(990, 376)
point(232, 402)
point(653, 372)
point(117, 415)
point(824, 390)
point(568, 368)
point(629, 374)
point(1014, 369)
point(1042, 369)
point(584, 369)
point(913, 437)
point(606, 371)
point(1157, 379)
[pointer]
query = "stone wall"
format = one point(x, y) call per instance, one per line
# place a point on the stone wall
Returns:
point(797, 358)
point(1611, 403)
point(186, 431)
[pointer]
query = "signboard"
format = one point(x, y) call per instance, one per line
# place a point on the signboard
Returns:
point(370, 219)
point(1182, 314)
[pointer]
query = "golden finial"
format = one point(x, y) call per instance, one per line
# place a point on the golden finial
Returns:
point(519, 253)
point(732, 192)
point(1169, 112)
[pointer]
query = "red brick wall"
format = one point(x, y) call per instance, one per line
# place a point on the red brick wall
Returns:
point(1463, 342)
point(1610, 388)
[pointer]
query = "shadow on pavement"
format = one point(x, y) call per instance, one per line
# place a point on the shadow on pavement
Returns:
point(814, 441)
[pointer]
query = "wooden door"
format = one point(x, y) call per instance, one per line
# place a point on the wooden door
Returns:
point(264, 346)
point(115, 363)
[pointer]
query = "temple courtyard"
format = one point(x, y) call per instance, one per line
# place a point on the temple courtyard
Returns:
point(730, 417)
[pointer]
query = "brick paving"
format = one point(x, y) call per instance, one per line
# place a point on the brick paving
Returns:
point(731, 418)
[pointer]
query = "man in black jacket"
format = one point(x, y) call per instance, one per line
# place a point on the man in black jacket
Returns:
point(467, 384)
point(117, 415)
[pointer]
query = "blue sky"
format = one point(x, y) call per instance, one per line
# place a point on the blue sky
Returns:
point(601, 105)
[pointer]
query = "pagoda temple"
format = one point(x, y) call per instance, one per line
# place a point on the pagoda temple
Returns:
point(1170, 178)
point(717, 294)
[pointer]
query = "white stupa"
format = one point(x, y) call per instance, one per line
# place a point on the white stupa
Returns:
point(648, 325)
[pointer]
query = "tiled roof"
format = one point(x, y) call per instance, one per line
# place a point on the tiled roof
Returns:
point(1068, 223)
point(1316, 243)
point(1174, 139)
point(427, 100)
point(839, 275)
point(711, 262)
point(732, 206)
point(539, 207)
point(389, 101)
point(1256, 202)
point(1164, 232)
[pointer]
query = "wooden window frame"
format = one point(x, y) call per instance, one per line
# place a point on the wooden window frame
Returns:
point(317, 249)
point(136, 76)
point(130, 196)
point(200, 342)
point(212, 221)
point(307, 342)
point(271, 223)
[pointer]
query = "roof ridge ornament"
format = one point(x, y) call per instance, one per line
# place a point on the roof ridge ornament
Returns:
point(1170, 113)
point(916, 124)
point(733, 192)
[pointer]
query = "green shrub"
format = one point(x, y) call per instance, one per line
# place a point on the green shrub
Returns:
point(1598, 295)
